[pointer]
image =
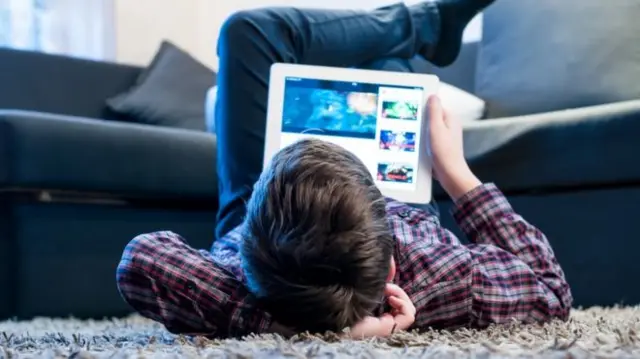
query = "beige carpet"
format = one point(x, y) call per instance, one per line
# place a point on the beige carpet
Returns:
point(593, 333)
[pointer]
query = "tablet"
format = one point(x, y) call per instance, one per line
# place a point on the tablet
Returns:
point(377, 115)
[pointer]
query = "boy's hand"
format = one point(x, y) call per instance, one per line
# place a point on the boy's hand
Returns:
point(450, 167)
point(400, 318)
point(404, 312)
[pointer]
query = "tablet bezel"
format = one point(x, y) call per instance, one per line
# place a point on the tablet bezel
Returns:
point(422, 192)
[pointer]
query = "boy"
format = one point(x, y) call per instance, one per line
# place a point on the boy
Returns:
point(317, 247)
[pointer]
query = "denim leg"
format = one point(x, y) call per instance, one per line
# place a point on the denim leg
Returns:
point(251, 41)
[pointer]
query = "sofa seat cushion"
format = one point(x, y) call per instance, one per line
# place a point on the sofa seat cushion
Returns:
point(45, 151)
point(582, 148)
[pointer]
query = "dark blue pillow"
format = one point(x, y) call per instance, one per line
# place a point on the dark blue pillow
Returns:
point(170, 92)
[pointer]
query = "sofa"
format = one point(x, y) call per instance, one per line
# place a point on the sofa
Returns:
point(78, 181)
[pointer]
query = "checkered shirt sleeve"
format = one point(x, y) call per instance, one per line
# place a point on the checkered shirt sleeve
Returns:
point(166, 280)
point(508, 272)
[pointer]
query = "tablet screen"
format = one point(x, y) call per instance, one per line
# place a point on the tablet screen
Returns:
point(378, 123)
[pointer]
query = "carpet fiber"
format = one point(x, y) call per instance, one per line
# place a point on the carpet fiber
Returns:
point(593, 333)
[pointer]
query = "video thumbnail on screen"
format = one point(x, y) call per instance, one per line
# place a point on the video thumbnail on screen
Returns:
point(395, 172)
point(330, 112)
point(400, 110)
point(398, 141)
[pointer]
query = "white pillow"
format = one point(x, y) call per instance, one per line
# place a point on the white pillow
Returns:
point(209, 109)
point(457, 102)
point(461, 104)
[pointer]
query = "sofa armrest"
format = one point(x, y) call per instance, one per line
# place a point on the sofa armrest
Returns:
point(50, 83)
point(45, 151)
point(592, 146)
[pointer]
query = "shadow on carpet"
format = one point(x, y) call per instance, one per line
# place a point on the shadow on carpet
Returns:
point(592, 333)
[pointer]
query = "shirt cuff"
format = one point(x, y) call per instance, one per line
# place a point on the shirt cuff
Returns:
point(478, 206)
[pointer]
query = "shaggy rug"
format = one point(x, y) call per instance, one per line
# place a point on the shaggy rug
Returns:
point(592, 333)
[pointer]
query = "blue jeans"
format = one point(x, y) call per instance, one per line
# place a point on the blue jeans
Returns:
point(251, 41)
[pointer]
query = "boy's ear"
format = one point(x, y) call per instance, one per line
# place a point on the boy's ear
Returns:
point(392, 271)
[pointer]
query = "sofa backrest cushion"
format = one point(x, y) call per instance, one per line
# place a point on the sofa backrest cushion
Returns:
point(544, 55)
point(61, 85)
point(460, 74)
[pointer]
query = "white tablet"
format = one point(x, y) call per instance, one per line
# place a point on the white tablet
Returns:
point(377, 115)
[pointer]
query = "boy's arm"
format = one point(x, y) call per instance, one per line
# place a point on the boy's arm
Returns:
point(166, 280)
point(509, 273)
point(487, 218)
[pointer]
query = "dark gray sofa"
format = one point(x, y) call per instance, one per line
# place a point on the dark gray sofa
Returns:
point(574, 174)
point(77, 182)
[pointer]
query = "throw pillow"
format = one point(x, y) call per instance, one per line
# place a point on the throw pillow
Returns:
point(461, 104)
point(210, 109)
point(546, 55)
point(169, 92)
point(457, 102)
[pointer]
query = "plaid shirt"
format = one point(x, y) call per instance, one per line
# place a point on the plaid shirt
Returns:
point(508, 272)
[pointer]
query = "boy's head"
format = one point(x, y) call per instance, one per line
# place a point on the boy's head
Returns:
point(318, 249)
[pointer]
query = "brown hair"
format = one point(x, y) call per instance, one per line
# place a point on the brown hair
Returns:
point(318, 247)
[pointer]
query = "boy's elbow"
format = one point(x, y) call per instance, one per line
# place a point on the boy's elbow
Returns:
point(564, 311)
point(558, 305)
point(135, 287)
point(564, 300)
point(133, 261)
